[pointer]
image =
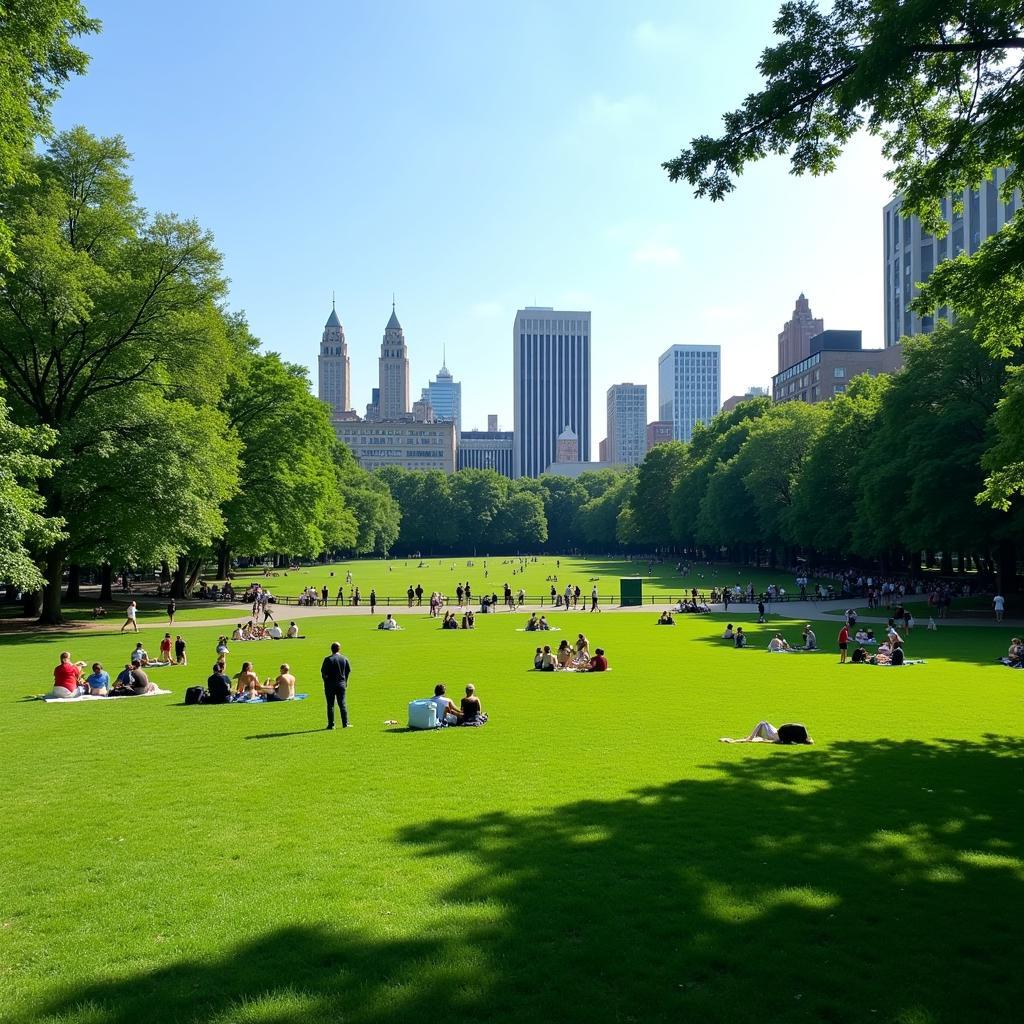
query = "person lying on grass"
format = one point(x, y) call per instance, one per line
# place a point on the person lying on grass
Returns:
point(283, 688)
point(778, 645)
point(67, 678)
point(666, 618)
point(765, 732)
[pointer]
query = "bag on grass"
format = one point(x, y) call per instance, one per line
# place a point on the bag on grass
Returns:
point(195, 695)
point(792, 733)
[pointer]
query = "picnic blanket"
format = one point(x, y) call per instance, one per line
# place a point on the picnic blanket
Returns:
point(550, 629)
point(89, 696)
point(260, 700)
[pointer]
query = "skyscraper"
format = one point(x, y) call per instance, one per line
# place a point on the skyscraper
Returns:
point(627, 424)
point(911, 254)
point(445, 397)
point(334, 376)
point(689, 387)
point(394, 372)
point(551, 380)
point(795, 339)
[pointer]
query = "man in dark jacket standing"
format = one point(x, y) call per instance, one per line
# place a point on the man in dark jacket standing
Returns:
point(335, 671)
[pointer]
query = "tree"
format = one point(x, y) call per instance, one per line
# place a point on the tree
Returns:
point(563, 498)
point(110, 327)
point(21, 524)
point(597, 522)
point(520, 523)
point(655, 481)
point(378, 515)
point(37, 56)
point(477, 498)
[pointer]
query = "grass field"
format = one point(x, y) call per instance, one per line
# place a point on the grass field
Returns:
point(592, 854)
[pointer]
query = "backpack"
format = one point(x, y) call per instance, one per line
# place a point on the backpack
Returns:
point(195, 695)
point(792, 733)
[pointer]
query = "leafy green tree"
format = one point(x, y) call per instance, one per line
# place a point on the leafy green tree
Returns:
point(37, 56)
point(563, 498)
point(110, 328)
point(649, 504)
point(21, 524)
point(378, 516)
point(477, 499)
point(520, 523)
point(425, 499)
point(597, 522)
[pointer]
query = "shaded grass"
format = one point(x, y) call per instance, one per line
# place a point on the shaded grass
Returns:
point(593, 853)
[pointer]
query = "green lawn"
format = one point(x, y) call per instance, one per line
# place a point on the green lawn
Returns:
point(592, 854)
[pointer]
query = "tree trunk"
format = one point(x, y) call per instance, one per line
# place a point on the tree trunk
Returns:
point(50, 614)
point(193, 576)
point(32, 604)
point(178, 579)
point(165, 572)
point(74, 583)
point(106, 582)
point(223, 560)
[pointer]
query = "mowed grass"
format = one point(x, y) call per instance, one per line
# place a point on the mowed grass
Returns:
point(592, 854)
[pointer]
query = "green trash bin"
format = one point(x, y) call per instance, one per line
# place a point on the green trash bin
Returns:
point(631, 591)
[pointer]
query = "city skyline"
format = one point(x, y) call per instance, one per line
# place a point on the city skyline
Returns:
point(572, 153)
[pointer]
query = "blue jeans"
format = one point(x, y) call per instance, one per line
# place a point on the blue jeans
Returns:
point(336, 692)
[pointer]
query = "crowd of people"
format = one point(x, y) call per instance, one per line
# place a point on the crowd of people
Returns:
point(570, 657)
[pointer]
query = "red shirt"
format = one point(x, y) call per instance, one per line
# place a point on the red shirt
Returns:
point(67, 674)
point(165, 644)
point(598, 663)
point(844, 635)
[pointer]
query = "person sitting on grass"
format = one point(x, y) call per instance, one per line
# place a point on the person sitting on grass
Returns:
point(449, 622)
point(165, 649)
point(67, 678)
point(765, 732)
point(447, 712)
point(248, 682)
point(810, 640)
point(472, 713)
point(778, 645)
point(218, 686)
point(543, 623)
point(236, 633)
point(389, 622)
point(581, 651)
point(538, 657)
point(666, 619)
point(564, 655)
point(865, 636)
point(139, 655)
point(728, 633)
point(293, 631)
point(133, 682)
point(532, 623)
point(859, 656)
point(740, 639)
point(598, 663)
point(1015, 655)
point(99, 612)
point(283, 687)
point(99, 681)
point(275, 632)
point(469, 620)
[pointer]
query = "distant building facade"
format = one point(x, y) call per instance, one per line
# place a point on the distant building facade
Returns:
point(486, 449)
point(444, 394)
point(567, 447)
point(689, 387)
point(795, 338)
point(393, 367)
point(575, 469)
point(334, 375)
point(835, 358)
point(627, 424)
point(658, 432)
point(602, 450)
point(911, 254)
point(730, 403)
point(377, 443)
point(551, 381)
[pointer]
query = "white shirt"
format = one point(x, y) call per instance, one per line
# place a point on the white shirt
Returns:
point(293, 631)
point(275, 632)
point(390, 624)
point(776, 645)
point(441, 703)
point(998, 602)
point(131, 610)
point(137, 655)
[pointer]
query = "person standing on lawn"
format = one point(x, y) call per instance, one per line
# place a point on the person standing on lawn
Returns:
point(844, 642)
point(999, 606)
point(335, 671)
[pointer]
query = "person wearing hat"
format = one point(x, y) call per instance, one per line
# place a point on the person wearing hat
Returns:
point(810, 640)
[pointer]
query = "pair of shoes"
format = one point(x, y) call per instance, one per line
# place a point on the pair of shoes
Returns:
point(346, 727)
point(329, 728)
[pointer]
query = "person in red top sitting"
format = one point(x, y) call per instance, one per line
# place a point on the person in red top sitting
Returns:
point(844, 641)
point(67, 677)
point(598, 663)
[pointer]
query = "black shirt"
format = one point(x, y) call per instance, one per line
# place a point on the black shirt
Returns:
point(219, 687)
point(335, 669)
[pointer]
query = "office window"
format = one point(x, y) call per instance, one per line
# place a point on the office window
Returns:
point(838, 389)
point(839, 372)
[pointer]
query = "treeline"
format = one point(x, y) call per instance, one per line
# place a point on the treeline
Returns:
point(897, 466)
point(478, 510)
point(139, 419)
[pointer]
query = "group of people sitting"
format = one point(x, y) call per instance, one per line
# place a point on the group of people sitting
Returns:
point(780, 645)
point(666, 618)
point(737, 636)
point(570, 657)
point(692, 605)
point(251, 631)
point(248, 685)
point(468, 713)
point(451, 621)
point(537, 622)
point(888, 653)
point(69, 680)
point(1015, 655)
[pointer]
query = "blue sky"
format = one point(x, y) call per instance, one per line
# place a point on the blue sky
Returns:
point(473, 158)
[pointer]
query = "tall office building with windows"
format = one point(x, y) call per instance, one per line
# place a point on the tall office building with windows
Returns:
point(689, 387)
point(444, 394)
point(333, 372)
point(795, 338)
point(551, 382)
point(911, 254)
point(627, 424)
point(393, 403)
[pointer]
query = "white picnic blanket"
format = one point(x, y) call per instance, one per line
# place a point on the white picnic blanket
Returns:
point(109, 700)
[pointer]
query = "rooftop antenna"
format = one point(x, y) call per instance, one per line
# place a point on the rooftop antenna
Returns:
point(332, 298)
point(392, 302)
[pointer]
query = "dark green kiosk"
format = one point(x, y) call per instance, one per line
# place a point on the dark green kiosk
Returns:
point(631, 591)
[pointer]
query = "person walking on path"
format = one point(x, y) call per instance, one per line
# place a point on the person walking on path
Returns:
point(130, 620)
point(335, 671)
point(171, 609)
point(373, 599)
point(998, 606)
point(594, 606)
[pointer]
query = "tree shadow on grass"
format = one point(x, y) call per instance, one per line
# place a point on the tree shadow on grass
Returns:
point(858, 881)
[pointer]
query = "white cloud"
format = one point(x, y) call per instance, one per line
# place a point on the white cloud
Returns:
point(656, 254)
point(661, 39)
point(615, 113)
